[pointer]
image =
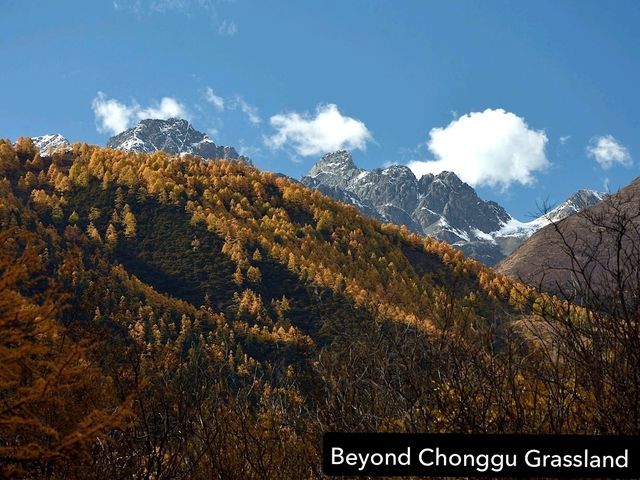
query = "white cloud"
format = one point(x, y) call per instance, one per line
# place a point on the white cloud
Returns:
point(494, 147)
point(249, 110)
point(608, 151)
point(187, 8)
point(565, 139)
point(228, 28)
point(167, 5)
point(327, 131)
point(168, 108)
point(113, 116)
point(163, 6)
point(214, 99)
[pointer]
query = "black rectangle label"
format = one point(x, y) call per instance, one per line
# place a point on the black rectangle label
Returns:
point(479, 455)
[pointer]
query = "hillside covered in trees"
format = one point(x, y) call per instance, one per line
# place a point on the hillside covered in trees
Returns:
point(172, 317)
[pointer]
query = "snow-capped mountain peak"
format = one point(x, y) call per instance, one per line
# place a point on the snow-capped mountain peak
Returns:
point(441, 206)
point(174, 135)
point(333, 163)
point(580, 200)
point(47, 144)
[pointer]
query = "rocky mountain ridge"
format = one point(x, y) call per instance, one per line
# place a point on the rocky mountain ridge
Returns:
point(175, 136)
point(441, 206)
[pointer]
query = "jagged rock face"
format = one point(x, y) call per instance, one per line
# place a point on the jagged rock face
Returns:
point(441, 206)
point(334, 170)
point(175, 136)
point(47, 144)
point(395, 186)
point(448, 196)
point(345, 196)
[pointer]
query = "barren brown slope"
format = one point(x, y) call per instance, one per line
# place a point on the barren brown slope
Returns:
point(598, 246)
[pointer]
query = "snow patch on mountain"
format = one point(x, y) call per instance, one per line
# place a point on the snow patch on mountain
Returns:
point(47, 144)
point(480, 235)
point(575, 203)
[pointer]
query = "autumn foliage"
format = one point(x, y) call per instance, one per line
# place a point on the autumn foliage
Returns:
point(168, 317)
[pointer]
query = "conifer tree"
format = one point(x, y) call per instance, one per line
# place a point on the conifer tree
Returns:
point(129, 221)
point(93, 233)
point(8, 158)
point(111, 236)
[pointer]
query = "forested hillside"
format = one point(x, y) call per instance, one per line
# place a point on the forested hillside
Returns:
point(173, 317)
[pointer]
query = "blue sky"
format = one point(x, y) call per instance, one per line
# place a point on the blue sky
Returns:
point(526, 101)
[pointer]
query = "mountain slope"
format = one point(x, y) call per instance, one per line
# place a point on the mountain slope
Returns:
point(175, 136)
point(218, 320)
point(580, 247)
point(205, 232)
